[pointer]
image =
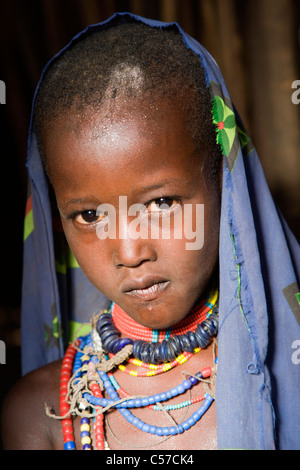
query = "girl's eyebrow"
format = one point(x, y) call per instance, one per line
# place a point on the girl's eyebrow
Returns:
point(162, 183)
point(84, 200)
point(144, 189)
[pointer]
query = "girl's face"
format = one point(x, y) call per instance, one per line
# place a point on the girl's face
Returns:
point(146, 156)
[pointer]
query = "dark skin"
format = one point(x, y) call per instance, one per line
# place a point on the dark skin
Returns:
point(145, 154)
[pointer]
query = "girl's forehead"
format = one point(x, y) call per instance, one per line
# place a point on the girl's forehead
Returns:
point(120, 125)
point(136, 141)
point(143, 112)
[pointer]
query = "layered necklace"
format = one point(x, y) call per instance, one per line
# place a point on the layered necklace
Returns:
point(89, 388)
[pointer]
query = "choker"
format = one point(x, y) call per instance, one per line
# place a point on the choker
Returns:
point(157, 347)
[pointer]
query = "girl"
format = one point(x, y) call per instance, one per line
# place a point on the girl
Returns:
point(136, 110)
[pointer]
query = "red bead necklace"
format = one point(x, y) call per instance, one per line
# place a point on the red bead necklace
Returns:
point(130, 328)
point(64, 407)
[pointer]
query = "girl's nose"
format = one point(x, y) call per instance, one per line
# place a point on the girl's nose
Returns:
point(133, 252)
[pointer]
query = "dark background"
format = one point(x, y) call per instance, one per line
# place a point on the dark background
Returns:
point(256, 44)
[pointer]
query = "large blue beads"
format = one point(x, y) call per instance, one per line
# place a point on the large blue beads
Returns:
point(158, 353)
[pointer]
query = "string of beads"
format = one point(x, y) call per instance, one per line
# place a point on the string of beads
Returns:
point(178, 406)
point(152, 429)
point(160, 352)
point(155, 369)
point(65, 375)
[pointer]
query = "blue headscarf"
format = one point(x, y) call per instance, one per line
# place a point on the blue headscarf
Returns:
point(258, 380)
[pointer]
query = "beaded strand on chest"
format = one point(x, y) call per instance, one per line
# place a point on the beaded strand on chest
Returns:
point(97, 389)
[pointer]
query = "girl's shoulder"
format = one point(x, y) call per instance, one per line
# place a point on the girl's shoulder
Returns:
point(25, 424)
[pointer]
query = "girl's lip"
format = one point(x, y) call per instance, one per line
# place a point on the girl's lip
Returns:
point(146, 288)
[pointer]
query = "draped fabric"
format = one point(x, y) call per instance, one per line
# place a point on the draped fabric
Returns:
point(258, 380)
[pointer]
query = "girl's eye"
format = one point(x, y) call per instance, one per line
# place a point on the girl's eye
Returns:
point(162, 204)
point(89, 217)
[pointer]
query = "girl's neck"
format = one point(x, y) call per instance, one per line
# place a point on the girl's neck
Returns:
point(130, 328)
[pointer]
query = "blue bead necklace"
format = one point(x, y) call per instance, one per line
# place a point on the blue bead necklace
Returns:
point(110, 384)
point(139, 402)
point(157, 353)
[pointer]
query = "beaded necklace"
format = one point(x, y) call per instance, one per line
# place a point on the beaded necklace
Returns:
point(154, 369)
point(194, 331)
point(135, 331)
point(87, 370)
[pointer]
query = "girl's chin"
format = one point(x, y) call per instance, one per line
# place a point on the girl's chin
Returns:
point(158, 317)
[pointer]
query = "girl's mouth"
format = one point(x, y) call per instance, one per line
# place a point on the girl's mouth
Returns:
point(150, 293)
point(146, 288)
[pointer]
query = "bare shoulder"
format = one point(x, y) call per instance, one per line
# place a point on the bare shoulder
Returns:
point(25, 425)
